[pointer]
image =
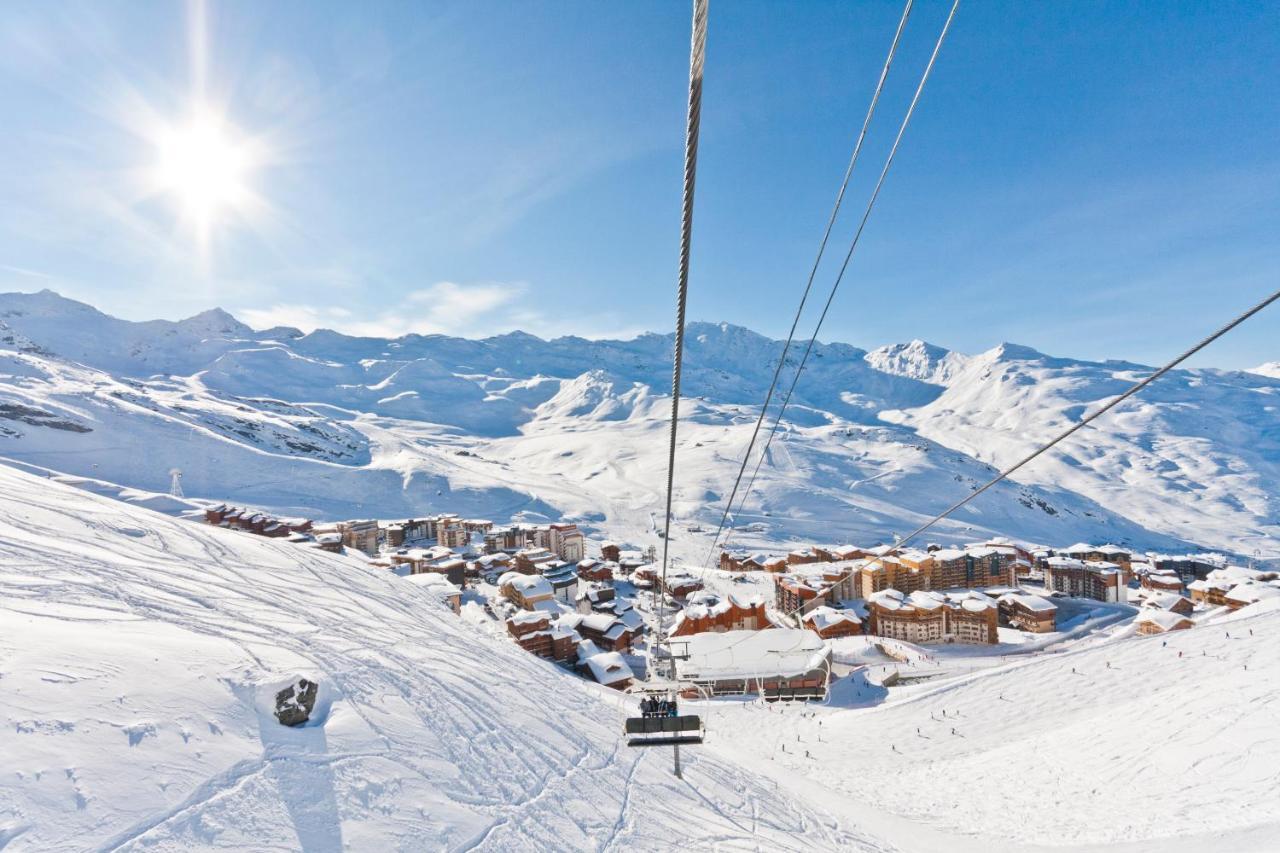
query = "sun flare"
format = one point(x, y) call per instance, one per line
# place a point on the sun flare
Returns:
point(204, 164)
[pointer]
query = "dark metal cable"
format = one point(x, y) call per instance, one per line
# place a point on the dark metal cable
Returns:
point(697, 59)
point(866, 215)
point(822, 247)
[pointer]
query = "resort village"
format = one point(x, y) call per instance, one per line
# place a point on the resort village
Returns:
point(779, 625)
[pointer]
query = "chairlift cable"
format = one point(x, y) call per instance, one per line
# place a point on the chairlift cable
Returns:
point(822, 247)
point(853, 244)
point(697, 62)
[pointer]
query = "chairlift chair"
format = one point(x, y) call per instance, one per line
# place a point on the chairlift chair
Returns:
point(681, 730)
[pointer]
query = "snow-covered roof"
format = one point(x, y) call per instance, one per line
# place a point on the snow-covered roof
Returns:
point(822, 618)
point(948, 554)
point(744, 654)
point(1251, 591)
point(529, 586)
point(1166, 619)
point(608, 667)
point(1029, 601)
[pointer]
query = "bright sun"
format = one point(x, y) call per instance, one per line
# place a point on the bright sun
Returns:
point(205, 165)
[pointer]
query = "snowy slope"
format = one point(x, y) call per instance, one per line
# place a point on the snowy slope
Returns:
point(138, 655)
point(1271, 369)
point(1162, 743)
point(329, 425)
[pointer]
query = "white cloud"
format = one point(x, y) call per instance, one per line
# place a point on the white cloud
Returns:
point(445, 308)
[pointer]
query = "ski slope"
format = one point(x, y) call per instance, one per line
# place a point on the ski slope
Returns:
point(1123, 745)
point(139, 654)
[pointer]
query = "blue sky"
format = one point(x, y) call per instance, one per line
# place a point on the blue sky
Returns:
point(1093, 179)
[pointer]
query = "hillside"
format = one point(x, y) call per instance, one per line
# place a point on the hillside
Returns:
point(335, 426)
point(139, 655)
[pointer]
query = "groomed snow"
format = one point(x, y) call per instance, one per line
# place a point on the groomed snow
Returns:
point(139, 655)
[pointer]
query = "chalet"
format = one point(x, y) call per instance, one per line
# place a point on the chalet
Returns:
point(1166, 581)
point(711, 612)
point(1251, 592)
point(492, 565)
point(331, 542)
point(440, 586)
point(1028, 612)
point(1153, 621)
point(741, 561)
point(607, 668)
point(610, 552)
point(1084, 579)
point(593, 597)
point(528, 592)
point(775, 564)
point(800, 556)
point(606, 631)
point(783, 663)
point(1172, 602)
point(645, 576)
point(529, 561)
point(538, 634)
point(600, 571)
point(830, 623)
point(678, 585)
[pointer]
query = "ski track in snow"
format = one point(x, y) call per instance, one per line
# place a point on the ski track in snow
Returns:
point(437, 736)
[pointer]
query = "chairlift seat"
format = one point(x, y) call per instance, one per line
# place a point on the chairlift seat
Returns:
point(664, 731)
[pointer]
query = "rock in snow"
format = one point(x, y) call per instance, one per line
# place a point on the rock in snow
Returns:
point(295, 703)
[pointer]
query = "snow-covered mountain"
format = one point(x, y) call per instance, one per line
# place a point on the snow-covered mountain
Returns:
point(332, 425)
point(1271, 368)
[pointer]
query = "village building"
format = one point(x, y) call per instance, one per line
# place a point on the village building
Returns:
point(678, 585)
point(566, 542)
point(608, 632)
point(600, 571)
point(931, 617)
point(800, 556)
point(538, 634)
point(1251, 592)
point(393, 535)
point(1161, 580)
point(1189, 567)
point(528, 592)
point(441, 587)
point(360, 535)
point(529, 561)
point(1080, 579)
point(830, 623)
point(593, 597)
point(1155, 621)
point(607, 668)
point(452, 533)
point(610, 552)
point(563, 578)
point(782, 663)
point(331, 542)
point(742, 561)
point(1172, 602)
point(1028, 612)
point(811, 585)
point(712, 612)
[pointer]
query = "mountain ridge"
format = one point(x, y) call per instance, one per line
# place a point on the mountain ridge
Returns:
point(874, 440)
